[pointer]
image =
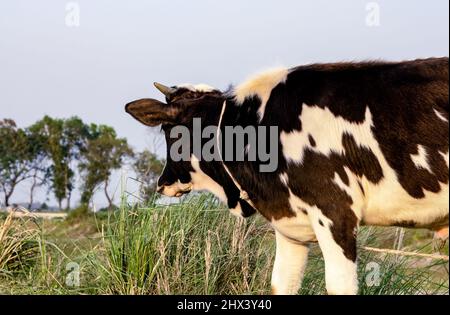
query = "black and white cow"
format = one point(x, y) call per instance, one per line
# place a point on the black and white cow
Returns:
point(359, 144)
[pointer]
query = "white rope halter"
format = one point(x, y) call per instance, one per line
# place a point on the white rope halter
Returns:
point(242, 193)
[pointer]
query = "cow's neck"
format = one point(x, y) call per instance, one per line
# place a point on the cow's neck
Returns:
point(241, 172)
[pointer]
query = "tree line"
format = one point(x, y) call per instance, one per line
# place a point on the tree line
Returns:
point(49, 153)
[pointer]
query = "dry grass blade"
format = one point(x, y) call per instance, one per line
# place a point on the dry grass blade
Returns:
point(5, 227)
point(18, 243)
point(403, 253)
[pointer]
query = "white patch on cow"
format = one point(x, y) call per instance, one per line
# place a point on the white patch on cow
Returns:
point(237, 211)
point(289, 265)
point(340, 273)
point(197, 87)
point(385, 202)
point(201, 181)
point(440, 116)
point(284, 178)
point(261, 85)
point(420, 159)
point(445, 156)
point(390, 203)
point(338, 181)
point(352, 190)
point(326, 129)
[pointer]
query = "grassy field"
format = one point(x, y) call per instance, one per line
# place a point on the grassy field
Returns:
point(195, 247)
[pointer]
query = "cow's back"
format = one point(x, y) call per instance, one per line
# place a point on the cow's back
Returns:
point(399, 111)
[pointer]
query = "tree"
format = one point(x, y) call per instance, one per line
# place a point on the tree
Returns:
point(147, 167)
point(104, 153)
point(39, 169)
point(65, 140)
point(16, 155)
point(75, 135)
point(52, 130)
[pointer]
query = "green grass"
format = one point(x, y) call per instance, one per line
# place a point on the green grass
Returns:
point(195, 247)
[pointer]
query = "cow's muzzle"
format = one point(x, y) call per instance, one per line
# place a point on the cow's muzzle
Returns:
point(175, 190)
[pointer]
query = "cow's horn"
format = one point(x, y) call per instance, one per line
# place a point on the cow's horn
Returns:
point(167, 91)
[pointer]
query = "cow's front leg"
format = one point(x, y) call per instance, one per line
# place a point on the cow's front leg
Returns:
point(337, 240)
point(289, 265)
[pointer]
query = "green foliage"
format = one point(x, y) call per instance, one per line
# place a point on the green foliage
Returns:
point(79, 212)
point(147, 167)
point(16, 156)
point(64, 142)
point(104, 153)
point(40, 170)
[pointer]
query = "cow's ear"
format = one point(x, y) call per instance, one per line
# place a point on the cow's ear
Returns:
point(152, 112)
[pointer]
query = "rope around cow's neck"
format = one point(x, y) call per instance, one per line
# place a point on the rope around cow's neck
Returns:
point(242, 193)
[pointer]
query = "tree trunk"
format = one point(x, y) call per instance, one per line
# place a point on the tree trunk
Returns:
point(33, 187)
point(59, 204)
point(69, 197)
point(107, 195)
point(30, 204)
point(66, 192)
point(8, 195)
point(6, 200)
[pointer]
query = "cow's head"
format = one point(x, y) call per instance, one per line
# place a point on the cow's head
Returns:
point(183, 104)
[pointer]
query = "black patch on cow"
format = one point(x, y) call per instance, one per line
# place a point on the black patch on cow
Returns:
point(436, 225)
point(405, 223)
point(312, 142)
point(315, 176)
point(361, 160)
point(361, 187)
point(320, 222)
point(266, 190)
point(174, 171)
point(182, 94)
point(247, 209)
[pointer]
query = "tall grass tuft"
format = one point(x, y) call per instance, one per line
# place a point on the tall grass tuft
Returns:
point(194, 247)
point(19, 245)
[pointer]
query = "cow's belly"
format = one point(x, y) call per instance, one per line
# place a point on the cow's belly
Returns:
point(297, 229)
point(388, 204)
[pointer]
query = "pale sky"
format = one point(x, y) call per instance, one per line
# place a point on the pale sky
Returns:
point(121, 47)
